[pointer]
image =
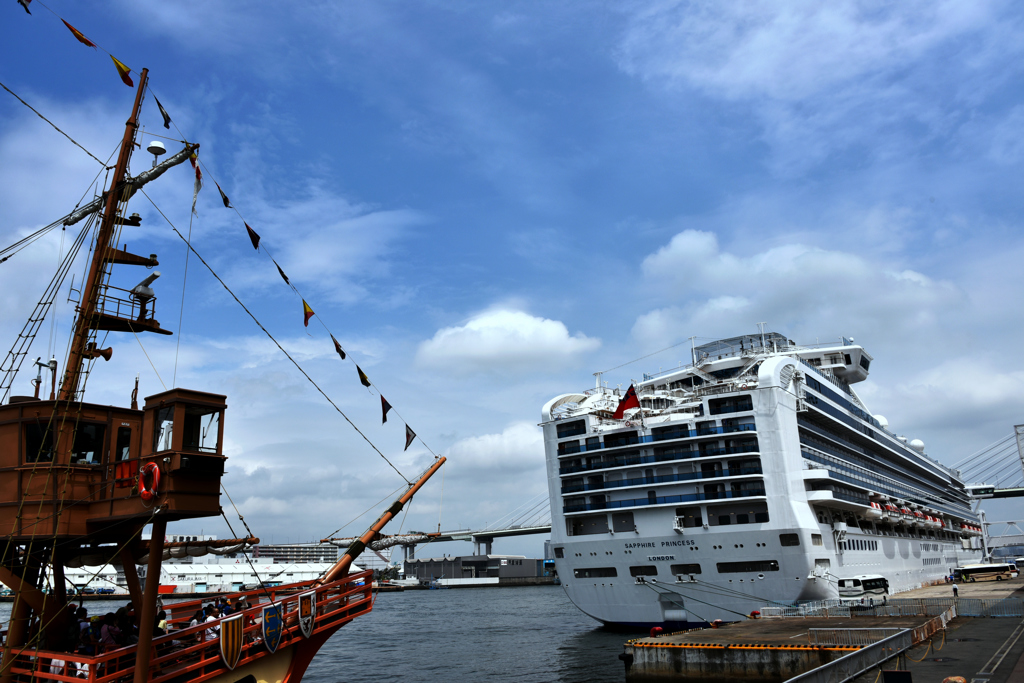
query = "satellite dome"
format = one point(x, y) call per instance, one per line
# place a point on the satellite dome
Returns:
point(917, 445)
point(882, 421)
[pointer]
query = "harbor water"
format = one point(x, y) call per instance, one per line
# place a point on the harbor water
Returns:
point(471, 634)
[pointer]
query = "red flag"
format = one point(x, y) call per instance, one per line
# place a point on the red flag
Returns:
point(409, 437)
point(341, 351)
point(307, 312)
point(628, 401)
point(385, 407)
point(255, 239)
point(123, 71)
point(78, 34)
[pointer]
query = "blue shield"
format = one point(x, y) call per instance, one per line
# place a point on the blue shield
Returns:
point(273, 626)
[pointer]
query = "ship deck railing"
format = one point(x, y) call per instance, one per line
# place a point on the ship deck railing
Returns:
point(663, 478)
point(184, 653)
point(659, 457)
point(663, 500)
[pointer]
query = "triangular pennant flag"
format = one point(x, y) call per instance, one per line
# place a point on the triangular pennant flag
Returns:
point(307, 312)
point(223, 197)
point(385, 407)
point(24, 3)
point(283, 276)
point(123, 71)
point(363, 379)
point(337, 347)
point(255, 239)
point(78, 34)
point(409, 437)
point(163, 113)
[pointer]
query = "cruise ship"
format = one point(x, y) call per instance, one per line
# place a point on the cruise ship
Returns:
point(754, 475)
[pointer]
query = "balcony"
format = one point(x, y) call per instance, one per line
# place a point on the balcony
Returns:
point(665, 478)
point(660, 457)
point(662, 500)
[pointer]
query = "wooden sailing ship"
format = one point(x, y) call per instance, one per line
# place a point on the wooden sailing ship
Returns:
point(80, 481)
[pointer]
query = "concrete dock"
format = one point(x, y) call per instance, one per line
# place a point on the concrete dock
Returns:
point(979, 648)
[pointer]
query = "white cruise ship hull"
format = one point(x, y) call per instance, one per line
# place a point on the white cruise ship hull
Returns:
point(754, 479)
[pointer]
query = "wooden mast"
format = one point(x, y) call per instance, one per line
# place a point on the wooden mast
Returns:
point(91, 289)
point(340, 569)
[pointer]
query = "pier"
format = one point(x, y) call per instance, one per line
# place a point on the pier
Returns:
point(978, 635)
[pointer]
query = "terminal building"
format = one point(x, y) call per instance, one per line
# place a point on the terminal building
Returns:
point(475, 570)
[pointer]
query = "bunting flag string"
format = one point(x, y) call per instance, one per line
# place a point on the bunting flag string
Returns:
point(123, 71)
point(193, 159)
point(260, 245)
point(384, 407)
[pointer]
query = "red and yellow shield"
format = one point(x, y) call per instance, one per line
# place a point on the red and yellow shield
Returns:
point(231, 639)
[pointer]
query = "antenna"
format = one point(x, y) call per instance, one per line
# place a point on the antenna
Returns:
point(156, 148)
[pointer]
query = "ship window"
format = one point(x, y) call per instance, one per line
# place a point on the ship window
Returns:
point(201, 429)
point(816, 539)
point(588, 524)
point(38, 443)
point(595, 573)
point(163, 430)
point(789, 539)
point(571, 428)
point(623, 521)
point(87, 447)
point(761, 517)
point(685, 569)
point(724, 520)
point(742, 518)
point(559, 553)
point(748, 566)
point(865, 363)
point(124, 443)
point(647, 570)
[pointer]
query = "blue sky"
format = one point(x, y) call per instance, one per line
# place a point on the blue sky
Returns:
point(488, 202)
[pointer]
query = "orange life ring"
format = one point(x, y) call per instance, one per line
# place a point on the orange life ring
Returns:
point(149, 492)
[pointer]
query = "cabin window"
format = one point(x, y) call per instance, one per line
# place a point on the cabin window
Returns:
point(567, 429)
point(749, 566)
point(789, 539)
point(87, 447)
point(685, 569)
point(122, 450)
point(559, 553)
point(623, 521)
point(816, 539)
point(38, 443)
point(646, 570)
point(201, 429)
point(595, 573)
point(163, 430)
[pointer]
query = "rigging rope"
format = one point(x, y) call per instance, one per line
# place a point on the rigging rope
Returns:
point(75, 143)
point(278, 344)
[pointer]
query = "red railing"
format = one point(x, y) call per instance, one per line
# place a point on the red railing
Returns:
point(185, 651)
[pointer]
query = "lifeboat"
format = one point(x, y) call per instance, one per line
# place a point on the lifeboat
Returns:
point(876, 512)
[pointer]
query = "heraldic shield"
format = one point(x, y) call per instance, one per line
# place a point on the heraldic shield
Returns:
point(272, 623)
point(307, 610)
point(231, 639)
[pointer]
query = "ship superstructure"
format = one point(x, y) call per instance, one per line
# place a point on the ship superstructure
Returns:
point(754, 474)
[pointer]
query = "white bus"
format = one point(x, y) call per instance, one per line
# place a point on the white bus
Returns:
point(986, 572)
point(864, 586)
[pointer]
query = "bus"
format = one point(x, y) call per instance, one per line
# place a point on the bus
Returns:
point(985, 572)
point(864, 586)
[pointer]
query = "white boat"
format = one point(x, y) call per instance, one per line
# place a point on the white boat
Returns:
point(756, 474)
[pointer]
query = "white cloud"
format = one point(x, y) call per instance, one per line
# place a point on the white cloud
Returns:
point(800, 290)
point(826, 77)
point(503, 339)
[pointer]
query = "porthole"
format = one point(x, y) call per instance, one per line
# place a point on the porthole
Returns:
point(760, 576)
